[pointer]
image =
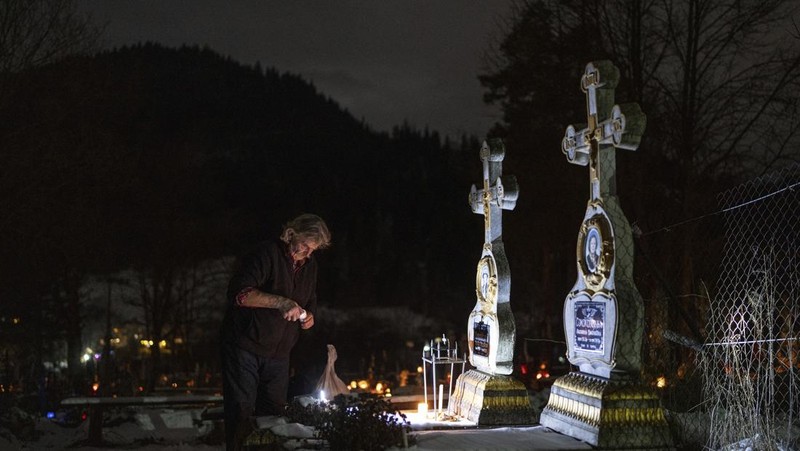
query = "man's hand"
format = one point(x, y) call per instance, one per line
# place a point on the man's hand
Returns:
point(293, 314)
point(308, 323)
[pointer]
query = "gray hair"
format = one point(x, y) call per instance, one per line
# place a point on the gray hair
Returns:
point(310, 227)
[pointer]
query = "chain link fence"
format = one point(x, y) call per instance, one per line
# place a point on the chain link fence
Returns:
point(750, 362)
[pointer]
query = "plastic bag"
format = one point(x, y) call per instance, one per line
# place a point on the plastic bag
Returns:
point(330, 383)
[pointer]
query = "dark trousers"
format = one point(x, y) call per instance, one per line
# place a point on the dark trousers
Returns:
point(252, 386)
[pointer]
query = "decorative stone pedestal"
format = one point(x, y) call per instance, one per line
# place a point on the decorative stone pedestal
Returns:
point(607, 413)
point(491, 400)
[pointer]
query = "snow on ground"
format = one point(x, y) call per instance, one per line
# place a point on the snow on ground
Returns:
point(506, 438)
point(161, 429)
point(141, 429)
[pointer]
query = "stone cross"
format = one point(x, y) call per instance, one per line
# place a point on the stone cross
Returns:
point(490, 200)
point(605, 244)
point(487, 394)
point(604, 313)
point(491, 330)
point(609, 127)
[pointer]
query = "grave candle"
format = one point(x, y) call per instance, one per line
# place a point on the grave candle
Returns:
point(422, 408)
point(441, 395)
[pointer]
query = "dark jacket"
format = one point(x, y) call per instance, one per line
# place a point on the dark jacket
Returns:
point(263, 331)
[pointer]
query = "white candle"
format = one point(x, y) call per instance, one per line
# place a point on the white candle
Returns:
point(422, 408)
point(441, 395)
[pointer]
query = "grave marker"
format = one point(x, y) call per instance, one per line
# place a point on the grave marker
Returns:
point(487, 394)
point(605, 403)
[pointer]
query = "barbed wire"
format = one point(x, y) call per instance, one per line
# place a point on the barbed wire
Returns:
point(680, 296)
point(707, 215)
point(751, 342)
point(546, 340)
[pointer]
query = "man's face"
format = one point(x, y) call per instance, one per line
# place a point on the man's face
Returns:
point(301, 248)
point(592, 244)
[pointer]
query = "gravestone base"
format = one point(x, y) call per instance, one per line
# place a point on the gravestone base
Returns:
point(488, 399)
point(607, 413)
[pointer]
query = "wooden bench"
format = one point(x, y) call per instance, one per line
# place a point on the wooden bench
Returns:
point(96, 405)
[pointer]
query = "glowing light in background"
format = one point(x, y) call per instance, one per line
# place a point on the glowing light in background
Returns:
point(542, 373)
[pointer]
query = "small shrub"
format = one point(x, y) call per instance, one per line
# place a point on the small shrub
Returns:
point(315, 414)
point(359, 423)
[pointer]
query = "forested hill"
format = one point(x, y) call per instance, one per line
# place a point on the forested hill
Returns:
point(156, 158)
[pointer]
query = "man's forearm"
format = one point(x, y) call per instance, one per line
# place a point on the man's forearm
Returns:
point(254, 298)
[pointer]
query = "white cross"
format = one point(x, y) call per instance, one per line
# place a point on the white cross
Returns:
point(494, 196)
point(617, 126)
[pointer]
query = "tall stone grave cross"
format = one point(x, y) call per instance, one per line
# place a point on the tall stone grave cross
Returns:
point(487, 395)
point(605, 402)
point(492, 346)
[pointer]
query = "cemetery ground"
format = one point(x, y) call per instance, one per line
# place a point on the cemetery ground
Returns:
point(176, 429)
point(170, 427)
point(198, 427)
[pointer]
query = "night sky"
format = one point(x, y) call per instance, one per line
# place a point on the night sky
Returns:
point(386, 62)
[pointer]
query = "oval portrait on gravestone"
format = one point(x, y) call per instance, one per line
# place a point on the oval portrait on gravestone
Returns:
point(596, 250)
point(486, 280)
point(592, 249)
